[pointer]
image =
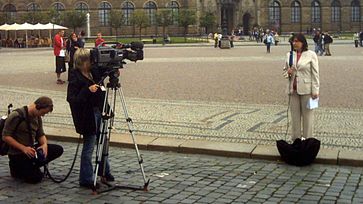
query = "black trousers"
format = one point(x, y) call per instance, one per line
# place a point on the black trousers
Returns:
point(26, 169)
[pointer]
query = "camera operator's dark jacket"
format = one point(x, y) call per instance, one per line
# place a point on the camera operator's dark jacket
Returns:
point(83, 102)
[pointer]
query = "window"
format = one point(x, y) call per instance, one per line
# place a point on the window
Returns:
point(295, 12)
point(33, 7)
point(82, 7)
point(10, 12)
point(274, 12)
point(59, 7)
point(355, 11)
point(315, 12)
point(104, 13)
point(335, 11)
point(150, 9)
point(174, 6)
point(127, 10)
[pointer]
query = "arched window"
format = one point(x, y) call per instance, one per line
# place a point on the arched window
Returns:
point(104, 10)
point(59, 7)
point(335, 11)
point(127, 10)
point(81, 7)
point(150, 9)
point(295, 12)
point(274, 12)
point(33, 7)
point(315, 12)
point(10, 12)
point(174, 6)
point(355, 11)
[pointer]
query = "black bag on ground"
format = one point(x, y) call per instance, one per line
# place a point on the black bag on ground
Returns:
point(300, 152)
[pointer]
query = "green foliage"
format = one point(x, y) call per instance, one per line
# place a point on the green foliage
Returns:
point(187, 17)
point(74, 19)
point(34, 17)
point(54, 16)
point(140, 20)
point(117, 19)
point(2, 19)
point(207, 20)
point(164, 19)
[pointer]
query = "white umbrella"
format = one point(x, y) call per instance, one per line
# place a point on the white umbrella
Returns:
point(54, 26)
point(13, 26)
point(3, 27)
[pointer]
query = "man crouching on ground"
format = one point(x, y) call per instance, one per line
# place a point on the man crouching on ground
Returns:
point(29, 149)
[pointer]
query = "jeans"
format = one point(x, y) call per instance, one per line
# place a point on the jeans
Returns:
point(86, 171)
point(268, 45)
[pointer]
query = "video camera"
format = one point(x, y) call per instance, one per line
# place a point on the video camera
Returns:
point(108, 57)
point(112, 54)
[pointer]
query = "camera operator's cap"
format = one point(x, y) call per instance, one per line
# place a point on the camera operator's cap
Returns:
point(44, 102)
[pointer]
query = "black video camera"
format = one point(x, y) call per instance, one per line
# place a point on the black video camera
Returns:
point(112, 54)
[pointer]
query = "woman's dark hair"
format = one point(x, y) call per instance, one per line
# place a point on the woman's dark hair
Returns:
point(301, 38)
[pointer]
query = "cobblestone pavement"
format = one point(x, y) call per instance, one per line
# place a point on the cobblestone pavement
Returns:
point(215, 121)
point(182, 178)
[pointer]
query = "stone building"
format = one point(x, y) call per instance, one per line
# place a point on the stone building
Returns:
point(281, 15)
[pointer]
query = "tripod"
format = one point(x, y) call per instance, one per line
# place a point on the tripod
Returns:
point(107, 122)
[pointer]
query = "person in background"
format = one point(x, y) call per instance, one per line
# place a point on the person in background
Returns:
point(269, 40)
point(303, 85)
point(99, 40)
point(215, 37)
point(81, 40)
point(73, 44)
point(327, 41)
point(59, 53)
point(220, 40)
point(276, 39)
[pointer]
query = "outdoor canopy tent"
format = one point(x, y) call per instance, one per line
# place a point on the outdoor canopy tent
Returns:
point(26, 26)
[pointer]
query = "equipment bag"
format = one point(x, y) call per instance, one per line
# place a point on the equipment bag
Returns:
point(4, 147)
point(299, 153)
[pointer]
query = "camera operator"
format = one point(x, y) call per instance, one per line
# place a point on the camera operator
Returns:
point(86, 100)
point(28, 146)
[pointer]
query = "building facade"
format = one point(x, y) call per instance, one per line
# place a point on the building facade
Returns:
point(280, 15)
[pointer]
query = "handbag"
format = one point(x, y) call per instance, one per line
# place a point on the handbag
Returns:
point(67, 57)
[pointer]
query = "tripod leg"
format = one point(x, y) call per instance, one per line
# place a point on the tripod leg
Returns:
point(101, 138)
point(131, 130)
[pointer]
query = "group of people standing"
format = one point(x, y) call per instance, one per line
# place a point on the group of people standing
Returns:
point(322, 43)
point(64, 52)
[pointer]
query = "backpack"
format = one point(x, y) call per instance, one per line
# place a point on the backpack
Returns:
point(299, 153)
point(4, 147)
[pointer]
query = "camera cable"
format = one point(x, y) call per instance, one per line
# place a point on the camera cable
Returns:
point(47, 173)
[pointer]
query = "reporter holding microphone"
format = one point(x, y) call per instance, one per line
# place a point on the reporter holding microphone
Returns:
point(85, 98)
point(303, 74)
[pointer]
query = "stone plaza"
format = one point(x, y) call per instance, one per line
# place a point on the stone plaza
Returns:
point(201, 93)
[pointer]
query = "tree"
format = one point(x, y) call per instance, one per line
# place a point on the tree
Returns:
point(117, 20)
point(140, 20)
point(74, 19)
point(2, 18)
point(164, 19)
point(34, 17)
point(53, 16)
point(207, 20)
point(186, 17)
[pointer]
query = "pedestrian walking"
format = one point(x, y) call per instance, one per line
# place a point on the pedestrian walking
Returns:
point(303, 87)
point(327, 41)
point(59, 53)
point(215, 37)
point(268, 41)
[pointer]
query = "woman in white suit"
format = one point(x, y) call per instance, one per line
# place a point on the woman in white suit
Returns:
point(302, 70)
